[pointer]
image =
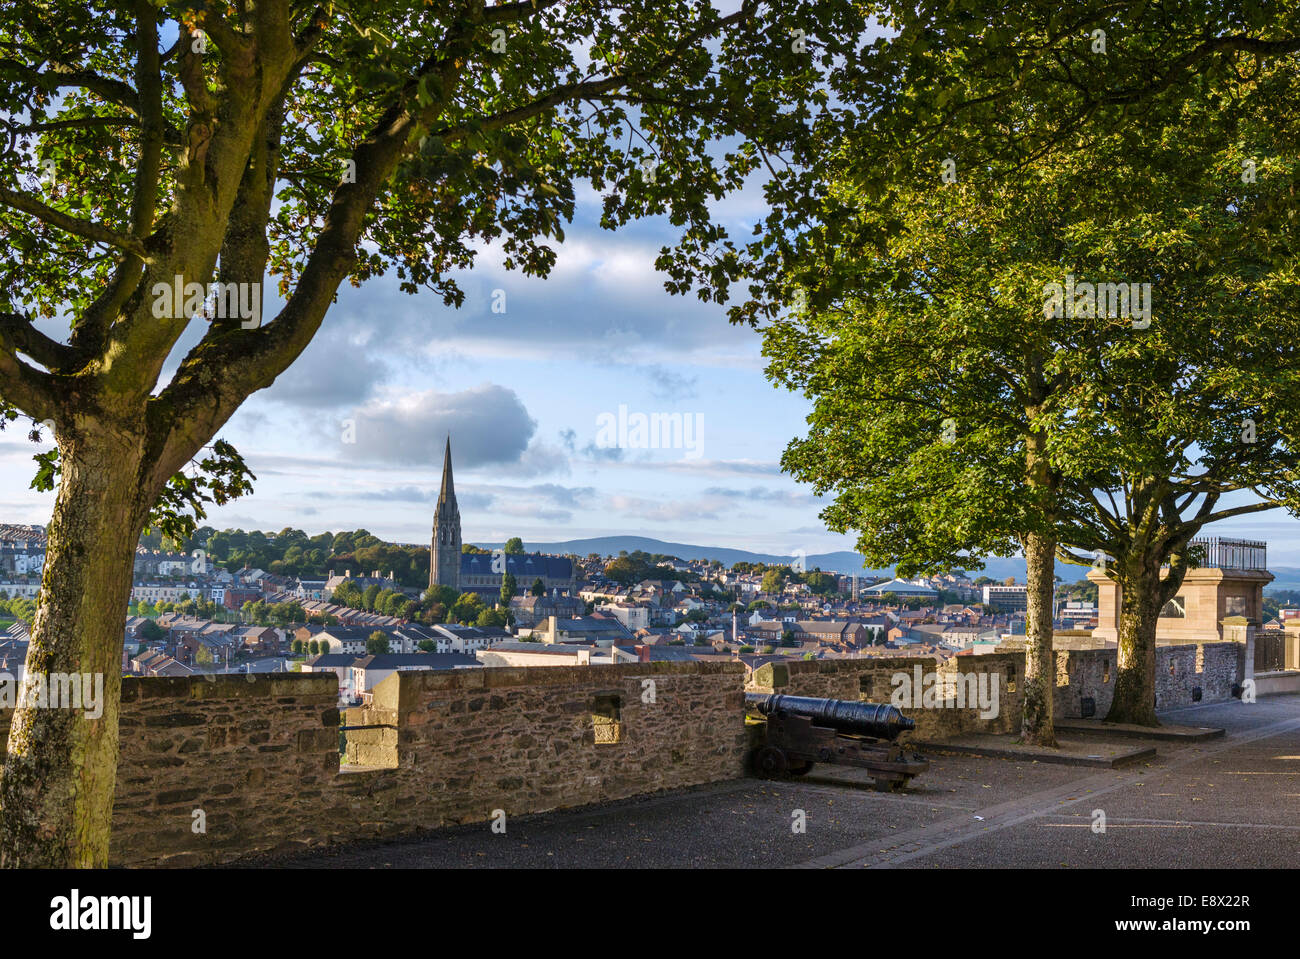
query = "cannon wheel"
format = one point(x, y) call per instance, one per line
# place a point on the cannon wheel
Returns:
point(770, 762)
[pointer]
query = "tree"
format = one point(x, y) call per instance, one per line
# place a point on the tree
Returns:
point(514, 545)
point(491, 617)
point(1086, 433)
point(508, 588)
point(538, 588)
point(151, 631)
point(377, 643)
point(296, 647)
point(467, 608)
point(427, 646)
point(440, 595)
point(773, 580)
point(623, 570)
point(313, 145)
point(821, 583)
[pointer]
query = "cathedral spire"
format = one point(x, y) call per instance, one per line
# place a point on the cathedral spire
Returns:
point(448, 490)
point(445, 552)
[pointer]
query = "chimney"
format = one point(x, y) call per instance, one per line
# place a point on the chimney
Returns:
point(643, 654)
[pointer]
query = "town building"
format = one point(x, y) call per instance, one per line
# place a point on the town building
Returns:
point(483, 573)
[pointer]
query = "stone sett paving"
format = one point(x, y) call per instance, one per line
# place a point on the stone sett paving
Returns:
point(1226, 802)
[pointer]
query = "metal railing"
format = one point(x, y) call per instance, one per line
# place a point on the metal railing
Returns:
point(1214, 552)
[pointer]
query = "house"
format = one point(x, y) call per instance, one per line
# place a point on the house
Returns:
point(541, 654)
point(234, 597)
point(842, 632)
point(601, 630)
point(202, 647)
point(340, 664)
point(633, 616)
point(308, 589)
point(259, 640)
point(368, 671)
point(345, 639)
point(470, 639)
point(13, 658)
point(530, 610)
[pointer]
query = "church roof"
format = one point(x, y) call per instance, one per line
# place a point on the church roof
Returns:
point(524, 567)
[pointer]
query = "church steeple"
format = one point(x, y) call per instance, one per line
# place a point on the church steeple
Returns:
point(444, 554)
point(448, 490)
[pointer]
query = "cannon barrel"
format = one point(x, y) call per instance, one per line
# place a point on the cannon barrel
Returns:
point(866, 719)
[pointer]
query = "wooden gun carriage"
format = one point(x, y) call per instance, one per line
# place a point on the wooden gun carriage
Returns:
point(802, 730)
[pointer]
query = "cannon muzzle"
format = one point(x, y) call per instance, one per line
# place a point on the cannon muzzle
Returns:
point(842, 715)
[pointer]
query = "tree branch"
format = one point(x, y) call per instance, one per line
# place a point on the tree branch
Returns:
point(27, 388)
point(95, 232)
point(17, 331)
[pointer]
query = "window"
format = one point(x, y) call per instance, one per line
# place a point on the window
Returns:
point(1176, 608)
point(1234, 605)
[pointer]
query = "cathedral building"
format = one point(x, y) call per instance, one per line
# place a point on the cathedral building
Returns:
point(483, 572)
point(444, 557)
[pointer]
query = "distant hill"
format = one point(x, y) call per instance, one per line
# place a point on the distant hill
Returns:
point(840, 562)
point(1285, 577)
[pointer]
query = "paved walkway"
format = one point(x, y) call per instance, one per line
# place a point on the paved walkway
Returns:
point(1229, 802)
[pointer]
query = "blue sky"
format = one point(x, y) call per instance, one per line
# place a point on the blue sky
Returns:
point(520, 393)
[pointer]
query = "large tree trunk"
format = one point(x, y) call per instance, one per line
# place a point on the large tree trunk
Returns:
point(56, 791)
point(1040, 670)
point(1135, 674)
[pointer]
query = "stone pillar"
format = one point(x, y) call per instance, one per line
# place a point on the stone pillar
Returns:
point(1108, 606)
point(1239, 629)
point(1292, 646)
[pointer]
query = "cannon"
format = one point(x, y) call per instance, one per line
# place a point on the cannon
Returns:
point(802, 730)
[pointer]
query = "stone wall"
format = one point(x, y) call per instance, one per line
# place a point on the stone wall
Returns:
point(459, 744)
point(246, 758)
point(1213, 668)
point(214, 769)
point(871, 680)
point(218, 768)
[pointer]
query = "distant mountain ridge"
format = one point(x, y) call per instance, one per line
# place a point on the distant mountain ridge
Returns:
point(998, 568)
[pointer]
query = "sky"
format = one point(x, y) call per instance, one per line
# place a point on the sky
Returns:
point(352, 435)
